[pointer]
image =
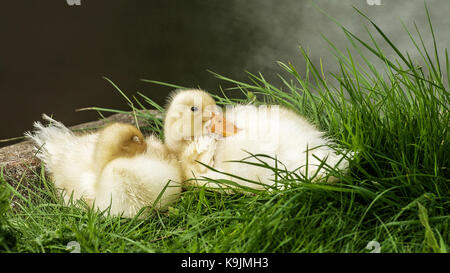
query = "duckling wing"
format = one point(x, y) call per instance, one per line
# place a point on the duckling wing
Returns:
point(129, 184)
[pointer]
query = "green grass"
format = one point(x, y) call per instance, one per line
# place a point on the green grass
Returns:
point(395, 119)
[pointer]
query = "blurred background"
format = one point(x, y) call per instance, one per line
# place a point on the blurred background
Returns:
point(53, 55)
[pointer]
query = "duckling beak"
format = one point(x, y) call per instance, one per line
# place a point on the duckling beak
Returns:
point(219, 125)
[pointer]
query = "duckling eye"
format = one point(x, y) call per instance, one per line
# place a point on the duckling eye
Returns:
point(194, 108)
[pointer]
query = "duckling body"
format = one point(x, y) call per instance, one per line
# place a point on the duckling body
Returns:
point(286, 140)
point(272, 131)
point(130, 183)
point(115, 167)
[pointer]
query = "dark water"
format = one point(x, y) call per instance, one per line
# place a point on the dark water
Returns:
point(53, 56)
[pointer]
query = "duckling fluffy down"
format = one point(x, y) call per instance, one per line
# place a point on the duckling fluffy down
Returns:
point(125, 184)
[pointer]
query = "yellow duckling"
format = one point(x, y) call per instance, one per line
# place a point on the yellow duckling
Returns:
point(196, 130)
point(114, 167)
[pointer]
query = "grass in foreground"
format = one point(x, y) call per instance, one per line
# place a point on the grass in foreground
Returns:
point(397, 192)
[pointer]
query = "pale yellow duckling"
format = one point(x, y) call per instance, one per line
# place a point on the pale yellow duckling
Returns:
point(114, 167)
point(196, 130)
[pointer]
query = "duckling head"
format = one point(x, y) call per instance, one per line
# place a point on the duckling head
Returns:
point(192, 113)
point(118, 140)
